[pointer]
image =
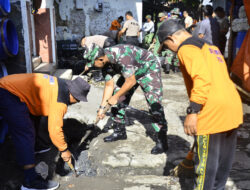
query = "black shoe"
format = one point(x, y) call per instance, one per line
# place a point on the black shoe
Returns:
point(176, 69)
point(106, 129)
point(119, 133)
point(40, 184)
point(166, 68)
point(166, 71)
point(161, 142)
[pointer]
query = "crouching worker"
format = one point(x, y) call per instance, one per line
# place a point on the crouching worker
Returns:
point(137, 67)
point(39, 95)
point(215, 110)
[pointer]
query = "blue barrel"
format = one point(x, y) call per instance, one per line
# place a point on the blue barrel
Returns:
point(238, 41)
point(4, 7)
point(8, 39)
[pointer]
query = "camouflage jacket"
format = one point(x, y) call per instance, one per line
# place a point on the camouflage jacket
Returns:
point(128, 60)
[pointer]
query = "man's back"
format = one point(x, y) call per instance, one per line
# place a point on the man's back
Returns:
point(38, 91)
point(132, 27)
point(96, 39)
point(115, 25)
point(208, 83)
point(210, 28)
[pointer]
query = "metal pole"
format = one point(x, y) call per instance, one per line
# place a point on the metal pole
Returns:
point(230, 41)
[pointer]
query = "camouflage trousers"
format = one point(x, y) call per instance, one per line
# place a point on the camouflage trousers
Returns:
point(151, 85)
point(156, 46)
point(171, 57)
point(147, 40)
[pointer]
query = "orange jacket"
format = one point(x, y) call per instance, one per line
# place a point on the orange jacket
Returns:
point(115, 25)
point(208, 84)
point(40, 93)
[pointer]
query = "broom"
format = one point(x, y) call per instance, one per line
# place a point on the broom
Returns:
point(186, 167)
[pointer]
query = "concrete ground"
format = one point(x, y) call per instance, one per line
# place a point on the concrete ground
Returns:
point(128, 164)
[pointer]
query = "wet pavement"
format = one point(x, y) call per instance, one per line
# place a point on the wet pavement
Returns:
point(128, 164)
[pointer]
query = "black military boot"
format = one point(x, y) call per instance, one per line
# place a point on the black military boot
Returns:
point(161, 141)
point(166, 68)
point(176, 69)
point(106, 128)
point(119, 133)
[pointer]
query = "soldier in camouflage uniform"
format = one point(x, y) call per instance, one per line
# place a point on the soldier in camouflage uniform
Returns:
point(162, 18)
point(137, 67)
point(171, 59)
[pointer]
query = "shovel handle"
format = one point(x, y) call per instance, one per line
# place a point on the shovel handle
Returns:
point(72, 167)
point(107, 107)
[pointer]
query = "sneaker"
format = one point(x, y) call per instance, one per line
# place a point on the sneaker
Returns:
point(40, 184)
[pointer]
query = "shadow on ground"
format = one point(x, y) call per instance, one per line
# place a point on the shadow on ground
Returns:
point(49, 163)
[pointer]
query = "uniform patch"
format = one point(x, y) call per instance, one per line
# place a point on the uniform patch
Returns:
point(217, 52)
point(45, 76)
point(51, 80)
point(220, 59)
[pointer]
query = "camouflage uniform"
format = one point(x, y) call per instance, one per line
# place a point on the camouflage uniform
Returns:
point(147, 40)
point(171, 57)
point(157, 43)
point(130, 60)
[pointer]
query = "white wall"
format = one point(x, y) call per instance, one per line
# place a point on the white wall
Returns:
point(97, 22)
point(47, 4)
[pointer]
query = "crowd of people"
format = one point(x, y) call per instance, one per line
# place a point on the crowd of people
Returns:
point(212, 117)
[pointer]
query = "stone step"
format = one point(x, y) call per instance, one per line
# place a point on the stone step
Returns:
point(64, 73)
point(36, 61)
point(46, 68)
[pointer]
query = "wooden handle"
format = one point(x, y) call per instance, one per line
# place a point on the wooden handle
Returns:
point(72, 167)
point(104, 111)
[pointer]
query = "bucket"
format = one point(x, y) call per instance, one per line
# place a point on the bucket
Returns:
point(8, 39)
point(4, 7)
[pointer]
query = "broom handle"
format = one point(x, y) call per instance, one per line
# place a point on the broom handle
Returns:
point(192, 149)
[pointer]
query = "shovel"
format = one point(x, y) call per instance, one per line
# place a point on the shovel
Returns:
point(106, 109)
point(72, 167)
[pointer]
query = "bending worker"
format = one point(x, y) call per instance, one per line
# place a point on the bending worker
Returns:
point(39, 95)
point(215, 110)
point(138, 67)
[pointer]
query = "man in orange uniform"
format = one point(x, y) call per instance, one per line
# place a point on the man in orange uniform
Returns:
point(116, 24)
point(215, 110)
point(39, 95)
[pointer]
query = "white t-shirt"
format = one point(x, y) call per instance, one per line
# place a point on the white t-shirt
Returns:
point(188, 21)
point(148, 27)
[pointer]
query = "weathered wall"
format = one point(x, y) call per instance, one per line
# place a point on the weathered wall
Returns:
point(44, 22)
point(75, 18)
point(43, 35)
